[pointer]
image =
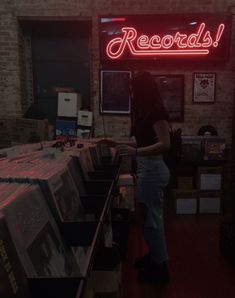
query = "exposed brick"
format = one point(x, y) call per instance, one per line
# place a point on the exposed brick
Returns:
point(16, 71)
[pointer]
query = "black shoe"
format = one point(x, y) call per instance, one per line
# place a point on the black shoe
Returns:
point(142, 262)
point(156, 274)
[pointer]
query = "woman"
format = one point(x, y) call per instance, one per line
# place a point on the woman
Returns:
point(151, 131)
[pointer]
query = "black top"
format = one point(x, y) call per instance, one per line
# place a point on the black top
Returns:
point(143, 127)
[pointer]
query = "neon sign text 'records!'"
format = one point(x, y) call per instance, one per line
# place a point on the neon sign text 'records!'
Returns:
point(198, 43)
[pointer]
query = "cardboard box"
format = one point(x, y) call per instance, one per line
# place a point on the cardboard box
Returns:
point(83, 133)
point(85, 118)
point(106, 275)
point(210, 202)
point(185, 201)
point(68, 104)
point(185, 182)
point(209, 178)
point(88, 291)
point(107, 281)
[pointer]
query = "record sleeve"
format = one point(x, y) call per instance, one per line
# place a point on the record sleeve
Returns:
point(36, 236)
point(215, 148)
point(56, 183)
point(13, 279)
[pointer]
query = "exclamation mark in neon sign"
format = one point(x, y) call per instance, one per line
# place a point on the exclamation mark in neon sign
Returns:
point(218, 35)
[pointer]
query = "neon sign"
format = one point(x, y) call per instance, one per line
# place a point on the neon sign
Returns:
point(179, 44)
point(164, 37)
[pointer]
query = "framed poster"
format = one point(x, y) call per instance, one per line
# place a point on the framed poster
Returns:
point(204, 87)
point(114, 92)
point(171, 89)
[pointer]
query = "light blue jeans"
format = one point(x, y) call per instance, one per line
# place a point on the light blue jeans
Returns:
point(152, 177)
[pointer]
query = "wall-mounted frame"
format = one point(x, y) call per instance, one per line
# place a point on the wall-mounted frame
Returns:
point(204, 87)
point(114, 92)
point(171, 88)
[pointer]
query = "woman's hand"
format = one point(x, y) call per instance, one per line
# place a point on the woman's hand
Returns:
point(107, 141)
point(126, 150)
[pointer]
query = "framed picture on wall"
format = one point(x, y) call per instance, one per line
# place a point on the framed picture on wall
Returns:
point(171, 88)
point(114, 92)
point(204, 87)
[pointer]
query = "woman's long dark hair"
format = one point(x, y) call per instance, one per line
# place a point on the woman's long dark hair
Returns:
point(145, 95)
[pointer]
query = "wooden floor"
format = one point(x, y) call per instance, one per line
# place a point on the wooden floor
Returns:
point(197, 269)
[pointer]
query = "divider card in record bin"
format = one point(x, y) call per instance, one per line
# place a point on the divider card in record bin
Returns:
point(214, 148)
point(209, 178)
point(66, 128)
point(185, 201)
point(210, 202)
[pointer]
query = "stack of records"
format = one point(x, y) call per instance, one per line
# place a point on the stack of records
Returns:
point(86, 163)
point(34, 233)
point(56, 183)
point(13, 278)
point(71, 159)
point(95, 154)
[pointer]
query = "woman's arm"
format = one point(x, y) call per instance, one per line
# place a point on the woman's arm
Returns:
point(162, 145)
point(161, 128)
point(131, 143)
point(113, 143)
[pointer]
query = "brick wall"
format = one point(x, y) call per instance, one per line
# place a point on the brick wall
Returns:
point(15, 88)
point(16, 74)
point(16, 71)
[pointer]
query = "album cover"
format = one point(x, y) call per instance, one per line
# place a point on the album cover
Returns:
point(94, 155)
point(215, 148)
point(67, 197)
point(48, 254)
point(105, 150)
point(192, 148)
point(56, 182)
point(66, 128)
point(36, 236)
point(13, 279)
point(86, 163)
point(75, 170)
point(8, 189)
